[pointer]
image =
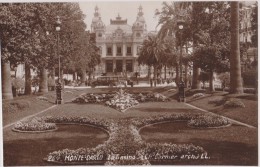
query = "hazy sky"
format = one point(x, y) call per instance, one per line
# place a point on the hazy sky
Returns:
point(127, 10)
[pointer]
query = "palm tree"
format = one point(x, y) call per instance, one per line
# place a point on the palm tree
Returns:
point(235, 68)
point(153, 54)
point(168, 18)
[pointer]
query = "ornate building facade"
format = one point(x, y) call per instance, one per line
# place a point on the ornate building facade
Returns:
point(118, 43)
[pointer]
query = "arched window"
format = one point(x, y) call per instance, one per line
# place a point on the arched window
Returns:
point(99, 34)
point(138, 34)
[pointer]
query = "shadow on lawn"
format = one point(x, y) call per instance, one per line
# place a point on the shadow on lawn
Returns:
point(220, 153)
point(32, 148)
point(229, 151)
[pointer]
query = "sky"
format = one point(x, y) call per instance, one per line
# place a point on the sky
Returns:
point(127, 10)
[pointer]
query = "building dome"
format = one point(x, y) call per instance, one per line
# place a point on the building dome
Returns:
point(97, 23)
point(140, 21)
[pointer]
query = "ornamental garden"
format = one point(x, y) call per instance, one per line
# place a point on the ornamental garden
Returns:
point(130, 126)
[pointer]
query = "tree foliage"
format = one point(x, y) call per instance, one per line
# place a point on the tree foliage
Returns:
point(28, 34)
point(254, 21)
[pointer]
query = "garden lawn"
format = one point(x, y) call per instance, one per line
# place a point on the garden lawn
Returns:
point(29, 105)
point(101, 111)
point(11, 114)
point(29, 149)
point(234, 145)
point(247, 115)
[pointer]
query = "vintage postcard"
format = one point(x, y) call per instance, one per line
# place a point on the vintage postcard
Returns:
point(129, 83)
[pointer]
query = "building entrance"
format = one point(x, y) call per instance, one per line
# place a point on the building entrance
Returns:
point(109, 66)
point(119, 65)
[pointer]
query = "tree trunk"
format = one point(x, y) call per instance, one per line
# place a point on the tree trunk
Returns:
point(89, 75)
point(165, 71)
point(6, 81)
point(195, 77)
point(43, 87)
point(236, 86)
point(52, 73)
point(83, 77)
point(211, 81)
point(177, 78)
point(74, 76)
point(149, 73)
point(28, 80)
point(186, 75)
point(155, 67)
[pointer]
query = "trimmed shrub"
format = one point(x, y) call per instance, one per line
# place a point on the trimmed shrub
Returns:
point(36, 124)
point(7, 107)
point(234, 103)
point(208, 121)
point(250, 90)
point(21, 104)
point(191, 92)
point(197, 95)
point(42, 98)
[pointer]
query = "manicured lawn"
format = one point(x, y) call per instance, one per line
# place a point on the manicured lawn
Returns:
point(248, 115)
point(35, 105)
point(21, 149)
point(234, 145)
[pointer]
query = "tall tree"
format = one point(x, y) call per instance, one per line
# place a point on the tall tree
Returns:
point(153, 53)
point(236, 86)
point(213, 52)
point(254, 20)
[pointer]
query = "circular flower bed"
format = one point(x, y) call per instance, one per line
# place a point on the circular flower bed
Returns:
point(208, 121)
point(34, 125)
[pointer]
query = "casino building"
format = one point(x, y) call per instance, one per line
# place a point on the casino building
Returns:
point(119, 43)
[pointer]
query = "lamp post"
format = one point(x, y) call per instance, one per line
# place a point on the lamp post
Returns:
point(182, 98)
point(58, 86)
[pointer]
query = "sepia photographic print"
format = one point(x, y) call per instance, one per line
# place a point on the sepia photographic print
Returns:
point(129, 83)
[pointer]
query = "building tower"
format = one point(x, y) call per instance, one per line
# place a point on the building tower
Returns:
point(97, 25)
point(139, 26)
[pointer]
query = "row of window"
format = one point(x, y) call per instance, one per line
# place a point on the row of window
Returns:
point(119, 51)
point(119, 66)
point(137, 34)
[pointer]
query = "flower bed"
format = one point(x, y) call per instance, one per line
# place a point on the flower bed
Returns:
point(42, 98)
point(93, 98)
point(197, 95)
point(124, 146)
point(34, 125)
point(120, 100)
point(234, 103)
point(208, 121)
point(169, 151)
